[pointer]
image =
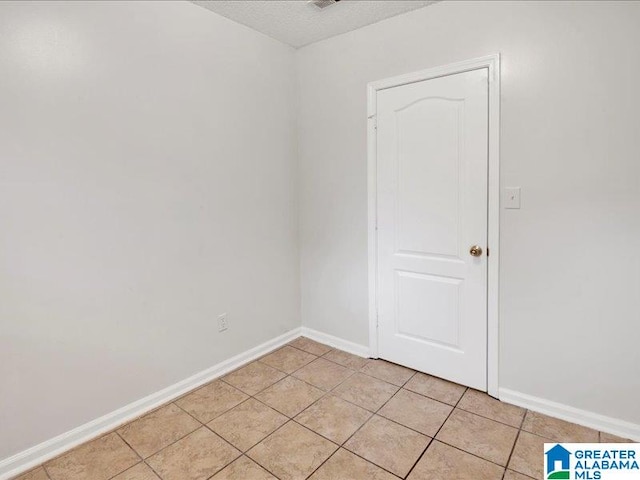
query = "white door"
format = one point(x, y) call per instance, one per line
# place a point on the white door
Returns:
point(432, 173)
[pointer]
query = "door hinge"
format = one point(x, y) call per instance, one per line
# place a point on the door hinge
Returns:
point(487, 251)
point(375, 121)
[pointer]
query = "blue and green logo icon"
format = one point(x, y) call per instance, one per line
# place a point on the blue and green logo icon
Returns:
point(558, 463)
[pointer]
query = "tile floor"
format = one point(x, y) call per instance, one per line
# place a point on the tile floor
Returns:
point(309, 411)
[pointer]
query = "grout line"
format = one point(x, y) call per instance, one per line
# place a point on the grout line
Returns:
point(373, 414)
point(273, 408)
point(391, 363)
point(201, 425)
point(143, 459)
point(369, 461)
point(342, 447)
point(152, 469)
point(376, 412)
point(366, 459)
point(478, 456)
point(405, 426)
point(249, 459)
point(357, 405)
point(184, 411)
point(225, 441)
point(247, 393)
point(288, 419)
point(470, 453)
point(261, 390)
point(331, 389)
point(127, 469)
point(102, 435)
point(218, 415)
point(386, 381)
point(129, 445)
point(366, 360)
point(315, 357)
point(493, 419)
point(513, 448)
point(262, 440)
point(437, 399)
point(118, 427)
point(436, 434)
point(523, 419)
point(325, 461)
point(319, 355)
point(46, 472)
point(352, 372)
point(388, 400)
point(325, 393)
point(487, 418)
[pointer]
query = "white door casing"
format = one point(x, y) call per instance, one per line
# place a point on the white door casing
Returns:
point(432, 143)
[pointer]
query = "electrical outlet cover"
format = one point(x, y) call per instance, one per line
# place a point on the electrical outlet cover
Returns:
point(222, 322)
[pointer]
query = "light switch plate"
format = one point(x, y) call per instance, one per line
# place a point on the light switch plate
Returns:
point(512, 197)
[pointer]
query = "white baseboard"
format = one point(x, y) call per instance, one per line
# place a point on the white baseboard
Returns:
point(335, 342)
point(39, 454)
point(581, 417)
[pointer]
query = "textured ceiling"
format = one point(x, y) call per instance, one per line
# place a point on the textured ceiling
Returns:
point(299, 23)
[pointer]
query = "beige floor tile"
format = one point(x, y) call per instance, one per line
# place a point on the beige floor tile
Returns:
point(346, 359)
point(254, 377)
point(389, 445)
point(608, 438)
point(323, 374)
point(99, 459)
point(365, 391)
point(417, 412)
point(153, 432)
point(482, 404)
point(243, 469)
point(139, 472)
point(478, 435)
point(389, 372)
point(37, 474)
point(334, 418)
point(247, 424)
point(442, 462)
point(292, 452)
point(511, 475)
point(344, 465)
point(475, 440)
point(435, 388)
point(310, 346)
point(528, 455)
point(290, 396)
point(288, 359)
point(212, 400)
point(197, 456)
point(558, 430)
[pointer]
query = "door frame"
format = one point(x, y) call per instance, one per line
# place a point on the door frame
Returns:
point(492, 62)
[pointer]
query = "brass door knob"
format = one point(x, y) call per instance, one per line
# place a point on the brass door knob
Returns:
point(475, 251)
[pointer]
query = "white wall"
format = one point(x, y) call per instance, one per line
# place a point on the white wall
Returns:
point(570, 266)
point(147, 184)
